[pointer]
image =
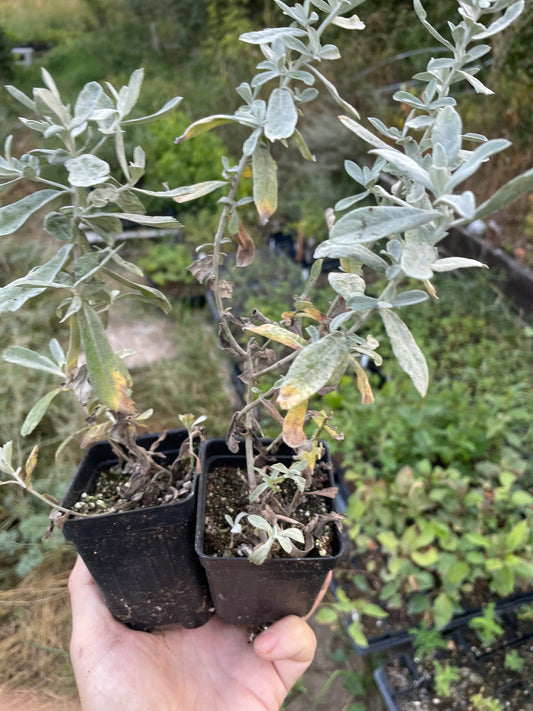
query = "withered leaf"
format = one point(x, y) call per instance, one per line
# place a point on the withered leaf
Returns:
point(245, 247)
point(202, 269)
point(57, 519)
point(225, 289)
point(81, 386)
point(330, 493)
point(94, 434)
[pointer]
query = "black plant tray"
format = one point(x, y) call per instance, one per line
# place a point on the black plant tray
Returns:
point(401, 683)
point(400, 638)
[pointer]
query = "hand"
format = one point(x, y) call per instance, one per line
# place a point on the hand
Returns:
point(211, 668)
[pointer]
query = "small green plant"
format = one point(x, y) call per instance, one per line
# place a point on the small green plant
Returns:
point(445, 676)
point(285, 537)
point(426, 641)
point(280, 473)
point(487, 626)
point(329, 614)
point(513, 661)
point(437, 531)
point(484, 703)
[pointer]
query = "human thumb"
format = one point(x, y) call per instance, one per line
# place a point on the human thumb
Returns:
point(290, 645)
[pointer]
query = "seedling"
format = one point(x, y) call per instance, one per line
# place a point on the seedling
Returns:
point(486, 625)
point(445, 676)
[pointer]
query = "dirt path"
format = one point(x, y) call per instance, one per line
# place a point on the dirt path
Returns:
point(149, 338)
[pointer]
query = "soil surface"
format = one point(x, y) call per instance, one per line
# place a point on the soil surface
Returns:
point(227, 493)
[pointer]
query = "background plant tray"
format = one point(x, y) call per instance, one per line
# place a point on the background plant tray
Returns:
point(392, 640)
point(399, 680)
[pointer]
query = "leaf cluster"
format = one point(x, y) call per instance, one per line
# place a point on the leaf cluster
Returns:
point(86, 270)
point(442, 533)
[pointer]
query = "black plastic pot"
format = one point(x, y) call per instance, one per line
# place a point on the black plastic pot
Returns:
point(142, 560)
point(244, 593)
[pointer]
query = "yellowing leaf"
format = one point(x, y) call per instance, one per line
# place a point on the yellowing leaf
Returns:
point(191, 192)
point(312, 313)
point(318, 364)
point(302, 146)
point(278, 334)
point(29, 466)
point(203, 125)
point(293, 425)
point(265, 188)
point(108, 376)
point(95, 434)
point(367, 396)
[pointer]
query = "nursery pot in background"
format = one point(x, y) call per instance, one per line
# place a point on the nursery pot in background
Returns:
point(143, 560)
point(245, 593)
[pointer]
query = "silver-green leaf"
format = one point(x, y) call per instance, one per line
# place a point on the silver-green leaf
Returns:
point(317, 365)
point(30, 359)
point(87, 170)
point(366, 224)
point(281, 115)
point(15, 215)
point(37, 412)
point(505, 195)
point(406, 350)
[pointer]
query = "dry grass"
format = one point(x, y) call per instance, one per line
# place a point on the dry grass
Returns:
point(34, 638)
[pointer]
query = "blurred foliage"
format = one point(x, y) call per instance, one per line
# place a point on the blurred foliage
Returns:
point(269, 284)
point(6, 59)
point(166, 262)
point(184, 164)
point(480, 358)
point(40, 22)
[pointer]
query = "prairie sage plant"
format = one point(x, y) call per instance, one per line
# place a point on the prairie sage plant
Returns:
point(409, 193)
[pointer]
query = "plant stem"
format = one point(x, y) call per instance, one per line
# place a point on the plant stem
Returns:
point(249, 445)
point(52, 184)
point(43, 498)
point(217, 250)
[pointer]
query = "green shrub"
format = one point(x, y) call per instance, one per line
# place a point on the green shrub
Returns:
point(167, 262)
point(480, 358)
point(188, 163)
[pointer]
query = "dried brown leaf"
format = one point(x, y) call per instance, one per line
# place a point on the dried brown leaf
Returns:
point(245, 247)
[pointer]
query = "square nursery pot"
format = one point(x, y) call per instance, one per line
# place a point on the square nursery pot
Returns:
point(245, 593)
point(143, 560)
